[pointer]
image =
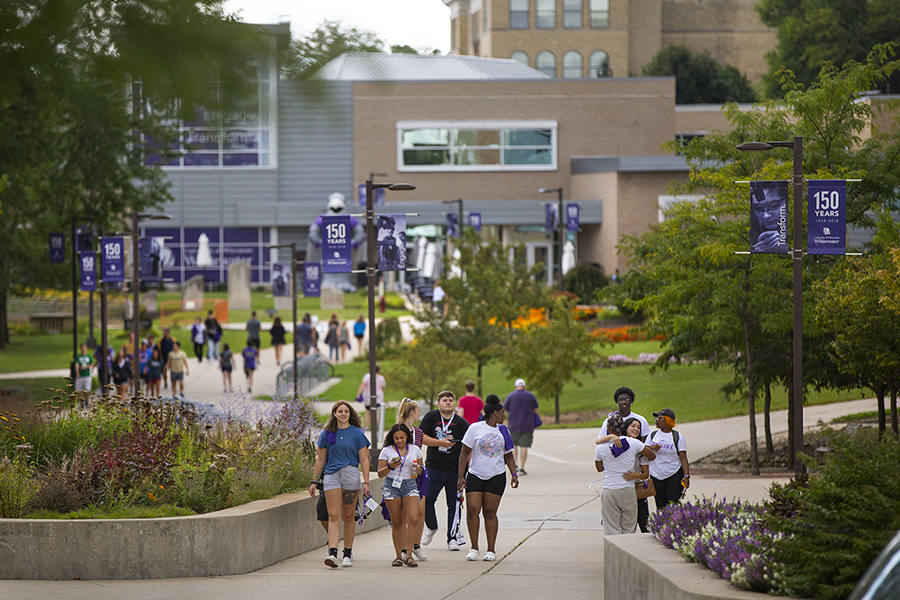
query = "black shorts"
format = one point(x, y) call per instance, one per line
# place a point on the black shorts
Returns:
point(254, 342)
point(494, 485)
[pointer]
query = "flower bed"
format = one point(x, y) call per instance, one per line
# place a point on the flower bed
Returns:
point(614, 335)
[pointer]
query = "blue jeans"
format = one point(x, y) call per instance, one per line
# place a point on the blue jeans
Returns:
point(438, 480)
point(212, 350)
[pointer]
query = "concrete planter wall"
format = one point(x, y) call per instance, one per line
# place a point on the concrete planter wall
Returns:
point(232, 541)
point(638, 567)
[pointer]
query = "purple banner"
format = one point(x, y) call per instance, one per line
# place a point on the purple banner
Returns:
point(57, 247)
point(827, 217)
point(312, 279)
point(281, 279)
point(475, 221)
point(112, 251)
point(152, 251)
point(379, 195)
point(550, 217)
point(88, 271)
point(573, 217)
point(452, 225)
point(336, 249)
point(84, 238)
point(391, 242)
point(768, 217)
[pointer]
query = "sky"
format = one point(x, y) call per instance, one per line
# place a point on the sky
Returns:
point(416, 23)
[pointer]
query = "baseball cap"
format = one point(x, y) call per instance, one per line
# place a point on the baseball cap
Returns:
point(666, 412)
point(520, 382)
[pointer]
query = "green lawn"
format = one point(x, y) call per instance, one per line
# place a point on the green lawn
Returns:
point(36, 388)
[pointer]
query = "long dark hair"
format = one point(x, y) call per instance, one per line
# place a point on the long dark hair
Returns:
point(389, 439)
point(332, 424)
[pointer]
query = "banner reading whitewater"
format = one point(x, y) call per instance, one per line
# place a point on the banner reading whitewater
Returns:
point(768, 217)
point(827, 217)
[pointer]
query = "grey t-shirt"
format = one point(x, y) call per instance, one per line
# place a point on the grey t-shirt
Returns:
point(253, 327)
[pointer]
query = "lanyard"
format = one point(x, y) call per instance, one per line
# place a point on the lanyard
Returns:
point(445, 427)
point(402, 458)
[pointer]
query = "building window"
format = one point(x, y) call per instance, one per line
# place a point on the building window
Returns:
point(572, 15)
point(572, 65)
point(520, 56)
point(518, 14)
point(600, 65)
point(600, 13)
point(546, 63)
point(546, 14)
point(477, 146)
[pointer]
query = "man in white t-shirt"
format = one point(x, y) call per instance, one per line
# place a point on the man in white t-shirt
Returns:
point(618, 504)
point(624, 398)
point(670, 471)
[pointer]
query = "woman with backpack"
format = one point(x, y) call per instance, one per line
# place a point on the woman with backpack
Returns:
point(670, 472)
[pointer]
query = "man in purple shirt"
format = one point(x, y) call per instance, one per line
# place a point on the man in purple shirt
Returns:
point(521, 406)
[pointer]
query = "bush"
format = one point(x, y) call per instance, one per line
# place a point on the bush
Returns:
point(585, 280)
point(388, 336)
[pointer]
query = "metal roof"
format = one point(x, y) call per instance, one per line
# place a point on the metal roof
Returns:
point(415, 67)
point(528, 211)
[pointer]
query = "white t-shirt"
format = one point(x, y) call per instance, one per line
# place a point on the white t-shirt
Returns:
point(616, 466)
point(645, 427)
point(667, 462)
point(404, 471)
point(488, 449)
point(380, 384)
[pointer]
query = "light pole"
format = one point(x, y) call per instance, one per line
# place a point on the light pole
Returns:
point(795, 409)
point(371, 273)
point(560, 229)
point(293, 247)
point(136, 217)
point(459, 226)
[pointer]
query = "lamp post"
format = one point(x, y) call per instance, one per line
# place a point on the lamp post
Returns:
point(76, 251)
point(459, 225)
point(371, 273)
point(293, 247)
point(796, 406)
point(560, 228)
point(136, 217)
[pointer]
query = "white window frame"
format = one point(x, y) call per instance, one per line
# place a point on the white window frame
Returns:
point(499, 125)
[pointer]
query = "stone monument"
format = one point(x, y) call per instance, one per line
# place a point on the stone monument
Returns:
point(150, 303)
point(332, 298)
point(192, 293)
point(239, 286)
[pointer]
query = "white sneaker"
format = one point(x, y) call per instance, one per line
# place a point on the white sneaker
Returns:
point(348, 561)
point(472, 555)
point(420, 556)
point(429, 533)
point(489, 557)
point(453, 545)
point(331, 561)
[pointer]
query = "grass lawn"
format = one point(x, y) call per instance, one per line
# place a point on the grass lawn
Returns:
point(36, 388)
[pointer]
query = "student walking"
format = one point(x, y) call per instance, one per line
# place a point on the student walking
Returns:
point(670, 471)
point(226, 364)
point(400, 463)
point(277, 332)
point(446, 428)
point(177, 365)
point(198, 337)
point(251, 362)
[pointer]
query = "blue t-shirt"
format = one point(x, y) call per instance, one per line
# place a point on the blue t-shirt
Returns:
point(344, 452)
point(520, 406)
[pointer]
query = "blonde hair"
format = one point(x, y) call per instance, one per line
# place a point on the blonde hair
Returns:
point(406, 408)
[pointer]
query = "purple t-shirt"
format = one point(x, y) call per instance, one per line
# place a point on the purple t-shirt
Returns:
point(520, 405)
point(250, 355)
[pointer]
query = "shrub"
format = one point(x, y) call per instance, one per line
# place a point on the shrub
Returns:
point(17, 484)
point(585, 280)
point(388, 336)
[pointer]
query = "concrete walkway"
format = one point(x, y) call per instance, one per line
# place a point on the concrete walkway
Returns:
point(550, 541)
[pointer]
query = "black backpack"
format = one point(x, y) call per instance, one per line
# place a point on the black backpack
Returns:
point(675, 437)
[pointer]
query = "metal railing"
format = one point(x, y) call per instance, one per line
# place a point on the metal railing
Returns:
point(313, 370)
point(20, 309)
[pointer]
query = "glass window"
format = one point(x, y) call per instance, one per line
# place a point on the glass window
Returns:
point(600, 13)
point(572, 65)
point(572, 16)
point(518, 14)
point(520, 56)
point(546, 14)
point(600, 65)
point(546, 63)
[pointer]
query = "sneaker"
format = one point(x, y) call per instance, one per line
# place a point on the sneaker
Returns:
point(489, 556)
point(332, 561)
point(472, 555)
point(453, 545)
point(523, 472)
point(420, 556)
point(348, 561)
point(429, 533)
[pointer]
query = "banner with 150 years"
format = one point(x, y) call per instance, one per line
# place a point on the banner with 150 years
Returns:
point(827, 217)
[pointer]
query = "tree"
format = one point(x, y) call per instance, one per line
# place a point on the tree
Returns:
point(816, 32)
point(72, 140)
point(548, 355)
point(427, 367)
point(306, 55)
point(699, 79)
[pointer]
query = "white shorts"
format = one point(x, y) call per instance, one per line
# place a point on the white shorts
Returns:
point(82, 384)
point(346, 479)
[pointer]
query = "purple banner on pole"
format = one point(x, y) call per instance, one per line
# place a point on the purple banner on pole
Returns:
point(475, 221)
point(112, 251)
point(391, 242)
point(57, 247)
point(452, 225)
point(379, 196)
point(827, 217)
point(550, 217)
point(152, 251)
point(88, 271)
point(281, 279)
point(573, 217)
point(336, 249)
point(312, 279)
point(768, 217)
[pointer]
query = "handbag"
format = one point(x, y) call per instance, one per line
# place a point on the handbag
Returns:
point(537, 421)
point(644, 489)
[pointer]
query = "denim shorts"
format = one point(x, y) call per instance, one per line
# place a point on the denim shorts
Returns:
point(408, 487)
point(346, 479)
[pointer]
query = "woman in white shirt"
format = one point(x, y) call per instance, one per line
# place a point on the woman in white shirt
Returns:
point(670, 471)
point(486, 450)
point(380, 385)
point(400, 463)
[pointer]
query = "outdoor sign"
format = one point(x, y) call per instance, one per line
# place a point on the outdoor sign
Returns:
point(768, 217)
point(84, 238)
point(152, 251)
point(281, 279)
point(475, 221)
point(336, 248)
point(312, 279)
point(112, 252)
point(391, 242)
point(57, 247)
point(88, 271)
point(827, 217)
point(550, 216)
point(573, 217)
point(379, 196)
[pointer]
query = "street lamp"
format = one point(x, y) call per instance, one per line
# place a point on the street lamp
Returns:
point(371, 271)
point(561, 229)
point(136, 288)
point(795, 410)
point(293, 247)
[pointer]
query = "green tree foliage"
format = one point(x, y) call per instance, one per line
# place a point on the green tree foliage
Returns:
point(78, 76)
point(699, 79)
point(548, 355)
point(585, 281)
point(308, 54)
point(426, 367)
point(816, 32)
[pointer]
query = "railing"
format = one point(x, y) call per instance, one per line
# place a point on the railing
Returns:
point(313, 370)
point(21, 309)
